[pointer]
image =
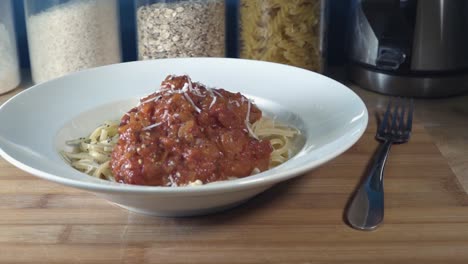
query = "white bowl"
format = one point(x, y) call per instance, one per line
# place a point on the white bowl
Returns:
point(36, 123)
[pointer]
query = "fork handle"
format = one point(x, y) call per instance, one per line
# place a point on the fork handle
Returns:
point(366, 210)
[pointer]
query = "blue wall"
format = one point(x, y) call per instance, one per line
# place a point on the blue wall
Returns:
point(336, 33)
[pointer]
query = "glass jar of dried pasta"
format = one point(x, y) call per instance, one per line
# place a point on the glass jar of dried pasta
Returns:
point(284, 31)
point(180, 28)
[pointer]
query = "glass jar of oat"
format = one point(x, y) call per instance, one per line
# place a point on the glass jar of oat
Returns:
point(284, 31)
point(180, 28)
point(9, 67)
point(66, 36)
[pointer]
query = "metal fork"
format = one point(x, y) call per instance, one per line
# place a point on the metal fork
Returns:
point(366, 209)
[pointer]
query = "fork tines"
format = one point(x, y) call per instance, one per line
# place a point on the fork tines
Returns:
point(398, 118)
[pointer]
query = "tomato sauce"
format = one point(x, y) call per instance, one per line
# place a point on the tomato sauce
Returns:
point(187, 132)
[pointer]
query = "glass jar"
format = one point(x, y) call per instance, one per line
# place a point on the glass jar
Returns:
point(9, 66)
point(65, 36)
point(180, 28)
point(284, 31)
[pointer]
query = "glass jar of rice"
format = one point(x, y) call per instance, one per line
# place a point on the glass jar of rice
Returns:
point(9, 67)
point(66, 36)
point(285, 31)
point(180, 28)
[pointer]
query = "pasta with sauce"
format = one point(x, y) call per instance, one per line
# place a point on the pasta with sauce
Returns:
point(96, 154)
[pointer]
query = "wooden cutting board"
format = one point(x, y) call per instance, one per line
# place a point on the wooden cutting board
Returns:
point(299, 221)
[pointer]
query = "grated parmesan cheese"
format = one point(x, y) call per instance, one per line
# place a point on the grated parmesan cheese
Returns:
point(155, 99)
point(210, 91)
point(152, 126)
point(234, 102)
point(247, 116)
point(213, 102)
point(192, 103)
point(185, 88)
point(166, 113)
point(216, 92)
point(249, 129)
point(195, 183)
point(247, 120)
point(255, 171)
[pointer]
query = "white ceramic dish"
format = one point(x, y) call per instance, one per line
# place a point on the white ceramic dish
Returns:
point(36, 122)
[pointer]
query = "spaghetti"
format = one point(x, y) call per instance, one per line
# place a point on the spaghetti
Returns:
point(184, 134)
point(92, 154)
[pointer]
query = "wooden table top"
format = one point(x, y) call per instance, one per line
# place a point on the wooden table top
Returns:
point(445, 120)
point(299, 221)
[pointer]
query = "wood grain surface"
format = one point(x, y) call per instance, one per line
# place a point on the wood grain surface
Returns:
point(299, 221)
point(445, 120)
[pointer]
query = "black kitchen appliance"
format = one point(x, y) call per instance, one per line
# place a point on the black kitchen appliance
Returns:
point(410, 47)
